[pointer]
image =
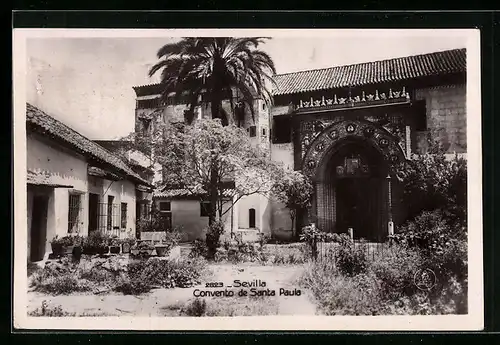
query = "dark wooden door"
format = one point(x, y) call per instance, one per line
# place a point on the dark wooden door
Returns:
point(38, 236)
point(93, 212)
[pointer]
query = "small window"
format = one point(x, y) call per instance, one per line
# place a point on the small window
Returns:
point(263, 105)
point(166, 215)
point(74, 213)
point(264, 132)
point(110, 223)
point(205, 208)
point(124, 215)
point(165, 206)
point(253, 131)
point(251, 218)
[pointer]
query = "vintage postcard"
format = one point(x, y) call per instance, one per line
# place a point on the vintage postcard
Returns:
point(247, 180)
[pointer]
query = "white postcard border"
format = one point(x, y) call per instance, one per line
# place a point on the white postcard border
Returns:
point(472, 321)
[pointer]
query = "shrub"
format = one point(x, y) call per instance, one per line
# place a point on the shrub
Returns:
point(342, 295)
point(395, 270)
point(213, 234)
point(166, 273)
point(197, 307)
point(263, 239)
point(63, 285)
point(199, 249)
point(67, 241)
point(49, 311)
point(95, 242)
point(132, 286)
point(350, 258)
point(443, 245)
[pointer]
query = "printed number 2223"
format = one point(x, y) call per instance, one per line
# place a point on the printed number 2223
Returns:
point(215, 284)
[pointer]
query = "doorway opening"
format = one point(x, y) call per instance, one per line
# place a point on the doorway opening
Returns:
point(352, 191)
point(93, 212)
point(38, 233)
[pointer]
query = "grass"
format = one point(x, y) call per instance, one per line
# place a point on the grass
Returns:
point(235, 306)
point(46, 310)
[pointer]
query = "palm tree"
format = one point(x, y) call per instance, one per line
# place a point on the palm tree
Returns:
point(210, 69)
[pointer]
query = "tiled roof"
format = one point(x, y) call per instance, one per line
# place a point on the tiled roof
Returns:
point(40, 178)
point(402, 68)
point(172, 192)
point(47, 125)
point(183, 193)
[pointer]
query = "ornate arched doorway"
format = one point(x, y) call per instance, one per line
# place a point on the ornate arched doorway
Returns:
point(350, 163)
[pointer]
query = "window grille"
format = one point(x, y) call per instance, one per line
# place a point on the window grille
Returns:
point(149, 103)
point(74, 213)
point(124, 215)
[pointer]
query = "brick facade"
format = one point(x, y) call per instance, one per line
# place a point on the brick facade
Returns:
point(446, 117)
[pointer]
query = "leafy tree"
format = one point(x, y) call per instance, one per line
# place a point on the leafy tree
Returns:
point(213, 69)
point(295, 191)
point(435, 181)
point(193, 154)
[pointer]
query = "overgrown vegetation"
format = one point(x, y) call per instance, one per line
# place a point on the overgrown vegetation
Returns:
point(254, 252)
point(295, 191)
point(434, 239)
point(98, 275)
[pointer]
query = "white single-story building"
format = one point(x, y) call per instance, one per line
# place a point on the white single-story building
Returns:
point(76, 186)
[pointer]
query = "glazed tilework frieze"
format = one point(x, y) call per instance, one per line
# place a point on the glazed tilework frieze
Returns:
point(348, 101)
point(393, 124)
point(319, 141)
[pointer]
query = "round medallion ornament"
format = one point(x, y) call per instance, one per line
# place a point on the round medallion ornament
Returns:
point(311, 164)
point(333, 134)
point(368, 131)
point(320, 147)
point(319, 126)
point(394, 158)
point(350, 128)
point(384, 142)
point(425, 279)
point(340, 170)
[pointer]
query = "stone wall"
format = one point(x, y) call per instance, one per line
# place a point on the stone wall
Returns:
point(446, 117)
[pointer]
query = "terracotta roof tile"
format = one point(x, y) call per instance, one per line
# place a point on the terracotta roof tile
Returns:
point(41, 178)
point(402, 68)
point(46, 124)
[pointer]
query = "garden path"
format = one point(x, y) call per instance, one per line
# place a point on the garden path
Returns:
point(168, 302)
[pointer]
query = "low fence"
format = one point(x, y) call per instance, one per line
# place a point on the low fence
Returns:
point(328, 250)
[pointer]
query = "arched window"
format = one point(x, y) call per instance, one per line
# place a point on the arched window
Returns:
point(251, 218)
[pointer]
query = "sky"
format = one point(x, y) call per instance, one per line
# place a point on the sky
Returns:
point(87, 82)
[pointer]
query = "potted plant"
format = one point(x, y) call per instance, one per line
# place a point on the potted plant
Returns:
point(127, 244)
point(57, 246)
point(65, 245)
point(114, 245)
point(162, 248)
point(145, 248)
point(96, 243)
point(134, 250)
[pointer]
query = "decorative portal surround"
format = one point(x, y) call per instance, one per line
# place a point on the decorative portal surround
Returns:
point(381, 139)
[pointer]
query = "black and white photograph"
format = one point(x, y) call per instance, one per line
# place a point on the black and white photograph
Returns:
point(247, 179)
